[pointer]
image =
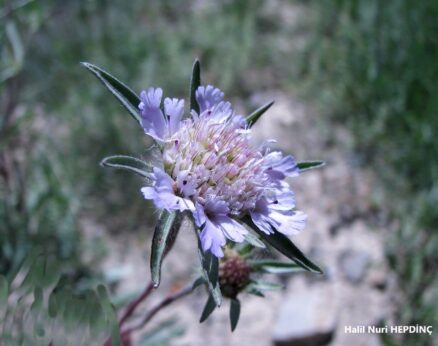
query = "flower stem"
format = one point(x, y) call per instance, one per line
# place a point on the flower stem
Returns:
point(133, 305)
point(165, 302)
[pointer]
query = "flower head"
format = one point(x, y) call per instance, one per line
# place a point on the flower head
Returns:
point(211, 168)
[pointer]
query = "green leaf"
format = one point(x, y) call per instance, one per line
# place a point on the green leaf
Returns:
point(254, 291)
point(308, 165)
point(285, 246)
point(128, 163)
point(254, 116)
point(123, 93)
point(234, 313)
point(275, 267)
point(210, 266)
point(208, 309)
point(198, 282)
point(195, 82)
point(265, 286)
point(164, 236)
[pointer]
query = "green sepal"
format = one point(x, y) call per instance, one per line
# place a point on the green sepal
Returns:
point(234, 313)
point(254, 116)
point(195, 82)
point(274, 267)
point(264, 286)
point(126, 96)
point(209, 307)
point(308, 165)
point(127, 163)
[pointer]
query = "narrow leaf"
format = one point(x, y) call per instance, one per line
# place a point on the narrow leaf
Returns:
point(123, 93)
point(308, 165)
point(254, 291)
point(128, 163)
point(208, 309)
point(254, 116)
point(209, 264)
point(265, 286)
point(275, 267)
point(198, 282)
point(234, 313)
point(284, 245)
point(195, 82)
point(254, 240)
point(164, 235)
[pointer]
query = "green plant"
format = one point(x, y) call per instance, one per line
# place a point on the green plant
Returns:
point(376, 64)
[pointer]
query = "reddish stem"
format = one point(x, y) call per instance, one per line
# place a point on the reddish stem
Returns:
point(165, 302)
point(133, 305)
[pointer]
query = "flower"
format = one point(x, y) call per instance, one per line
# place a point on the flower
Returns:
point(211, 169)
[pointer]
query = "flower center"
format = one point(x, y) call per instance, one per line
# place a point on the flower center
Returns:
point(217, 161)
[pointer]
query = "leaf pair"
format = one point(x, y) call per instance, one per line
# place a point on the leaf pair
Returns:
point(234, 311)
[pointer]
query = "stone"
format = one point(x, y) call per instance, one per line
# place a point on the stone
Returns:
point(307, 317)
point(353, 264)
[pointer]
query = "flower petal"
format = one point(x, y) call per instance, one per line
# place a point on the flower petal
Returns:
point(208, 96)
point(289, 223)
point(163, 195)
point(152, 118)
point(232, 229)
point(173, 110)
point(279, 166)
point(212, 239)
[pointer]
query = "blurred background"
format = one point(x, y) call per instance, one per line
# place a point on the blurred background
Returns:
point(355, 84)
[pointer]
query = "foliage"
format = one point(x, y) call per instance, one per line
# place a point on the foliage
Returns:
point(376, 63)
point(39, 307)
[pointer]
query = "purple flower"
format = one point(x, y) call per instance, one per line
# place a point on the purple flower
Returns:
point(212, 169)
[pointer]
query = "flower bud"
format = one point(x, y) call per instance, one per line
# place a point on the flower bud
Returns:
point(234, 274)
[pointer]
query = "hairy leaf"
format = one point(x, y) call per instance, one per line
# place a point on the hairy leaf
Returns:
point(284, 245)
point(123, 93)
point(128, 163)
point(275, 267)
point(164, 236)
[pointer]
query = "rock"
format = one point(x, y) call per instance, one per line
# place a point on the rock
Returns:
point(353, 264)
point(378, 279)
point(307, 318)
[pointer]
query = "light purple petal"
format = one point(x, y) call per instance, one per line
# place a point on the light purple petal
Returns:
point(173, 110)
point(279, 166)
point(186, 183)
point(152, 118)
point(286, 221)
point(283, 199)
point(212, 239)
point(163, 195)
point(216, 207)
point(232, 229)
point(199, 215)
point(208, 96)
point(289, 223)
point(260, 216)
